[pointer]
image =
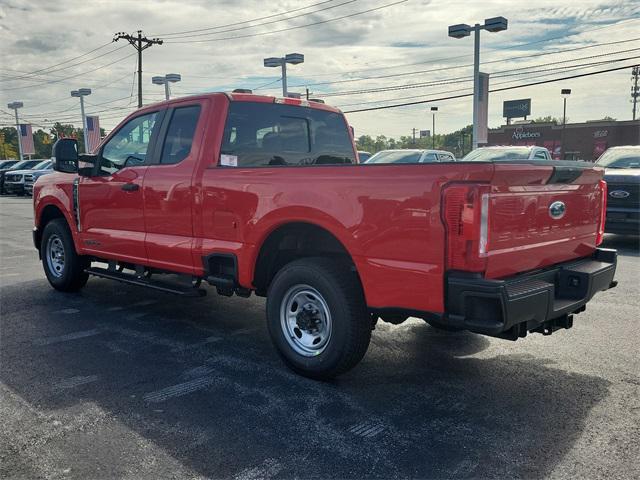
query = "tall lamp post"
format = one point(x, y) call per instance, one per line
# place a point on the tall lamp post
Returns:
point(166, 80)
point(292, 58)
point(434, 110)
point(565, 92)
point(496, 24)
point(15, 106)
point(81, 93)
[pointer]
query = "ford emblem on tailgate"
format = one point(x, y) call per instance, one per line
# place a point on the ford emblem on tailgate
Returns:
point(557, 209)
point(619, 193)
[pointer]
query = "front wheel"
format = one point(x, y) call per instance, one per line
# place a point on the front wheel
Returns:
point(317, 317)
point(64, 268)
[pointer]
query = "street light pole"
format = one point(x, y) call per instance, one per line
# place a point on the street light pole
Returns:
point(83, 92)
point(496, 24)
point(565, 92)
point(166, 80)
point(434, 110)
point(15, 106)
point(292, 58)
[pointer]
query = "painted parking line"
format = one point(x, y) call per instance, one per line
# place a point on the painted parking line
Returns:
point(74, 382)
point(67, 311)
point(67, 337)
point(267, 469)
point(367, 429)
point(179, 390)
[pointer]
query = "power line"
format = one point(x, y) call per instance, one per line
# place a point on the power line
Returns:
point(547, 39)
point(243, 22)
point(295, 27)
point(492, 90)
point(330, 7)
point(69, 60)
point(75, 76)
point(447, 68)
point(509, 72)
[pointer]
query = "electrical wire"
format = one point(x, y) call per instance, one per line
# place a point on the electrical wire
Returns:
point(431, 62)
point(330, 7)
point(243, 22)
point(542, 82)
point(321, 22)
point(448, 68)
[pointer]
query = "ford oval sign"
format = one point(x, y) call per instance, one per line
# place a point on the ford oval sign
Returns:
point(557, 210)
point(619, 193)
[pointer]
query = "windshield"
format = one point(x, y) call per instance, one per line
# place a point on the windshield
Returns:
point(396, 157)
point(620, 158)
point(24, 165)
point(44, 165)
point(491, 154)
point(8, 163)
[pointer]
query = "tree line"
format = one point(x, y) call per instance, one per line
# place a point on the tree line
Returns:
point(42, 140)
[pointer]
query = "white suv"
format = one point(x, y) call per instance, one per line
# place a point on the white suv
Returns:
point(488, 154)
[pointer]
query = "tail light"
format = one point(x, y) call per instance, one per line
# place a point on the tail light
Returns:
point(465, 211)
point(603, 212)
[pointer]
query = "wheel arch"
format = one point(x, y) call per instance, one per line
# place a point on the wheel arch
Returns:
point(290, 241)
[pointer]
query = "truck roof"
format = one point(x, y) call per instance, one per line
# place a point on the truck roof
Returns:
point(251, 97)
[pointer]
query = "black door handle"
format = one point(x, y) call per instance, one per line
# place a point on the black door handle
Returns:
point(130, 187)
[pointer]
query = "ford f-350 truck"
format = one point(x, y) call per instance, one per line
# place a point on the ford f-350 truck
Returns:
point(258, 194)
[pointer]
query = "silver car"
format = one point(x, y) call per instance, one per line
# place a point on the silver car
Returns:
point(411, 156)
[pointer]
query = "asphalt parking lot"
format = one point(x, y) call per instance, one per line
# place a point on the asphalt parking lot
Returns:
point(122, 382)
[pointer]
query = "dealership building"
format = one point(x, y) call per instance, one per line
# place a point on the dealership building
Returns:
point(574, 141)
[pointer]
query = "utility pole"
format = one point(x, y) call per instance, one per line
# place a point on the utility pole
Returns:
point(414, 137)
point(140, 43)
point(635, 90)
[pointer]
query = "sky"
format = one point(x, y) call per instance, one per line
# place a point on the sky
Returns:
point(351, 41)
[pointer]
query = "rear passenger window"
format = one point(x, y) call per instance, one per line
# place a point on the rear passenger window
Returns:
point(177, 144)
point(265, 134)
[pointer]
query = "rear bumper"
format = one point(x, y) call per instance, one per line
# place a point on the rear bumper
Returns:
point(541, 301)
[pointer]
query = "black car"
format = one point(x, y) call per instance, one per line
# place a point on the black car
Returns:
point(23, 165)
point(622, 174)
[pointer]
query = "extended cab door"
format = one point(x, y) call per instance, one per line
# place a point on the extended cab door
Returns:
point(168, 189)
point(110, 203)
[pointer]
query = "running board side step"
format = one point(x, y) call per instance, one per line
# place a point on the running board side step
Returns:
point(134, 279)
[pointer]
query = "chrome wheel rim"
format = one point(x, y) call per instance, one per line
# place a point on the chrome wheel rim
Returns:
point(305, 320)
point(55, 255)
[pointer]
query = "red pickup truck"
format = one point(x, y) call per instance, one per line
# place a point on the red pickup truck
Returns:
point(258, 194)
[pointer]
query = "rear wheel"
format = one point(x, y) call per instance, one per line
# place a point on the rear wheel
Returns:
point(317, 317)
point(63, 267)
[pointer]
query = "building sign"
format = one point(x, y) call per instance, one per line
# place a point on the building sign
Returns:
point(600, 133)
point(516, 108)
point(483, 109)
point(521, 134)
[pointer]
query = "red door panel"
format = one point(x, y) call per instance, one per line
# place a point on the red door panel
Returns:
point(111, 215)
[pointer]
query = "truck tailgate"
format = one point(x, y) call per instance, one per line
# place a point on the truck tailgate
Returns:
point(540, 215)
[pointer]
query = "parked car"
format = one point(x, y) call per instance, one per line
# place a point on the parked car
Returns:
point(622, 174)
point(23, 165)
point(5, 164)
point(38, 171)
point(363, 156)
point(334, 246)
point(498, 153)
point(411, 156)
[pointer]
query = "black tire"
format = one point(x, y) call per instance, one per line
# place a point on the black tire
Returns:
point(70, 277)
point(350, 332)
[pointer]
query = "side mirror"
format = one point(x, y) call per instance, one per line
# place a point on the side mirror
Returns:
point(65, 155)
